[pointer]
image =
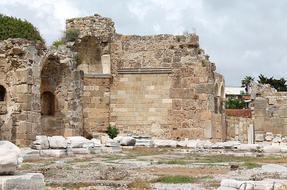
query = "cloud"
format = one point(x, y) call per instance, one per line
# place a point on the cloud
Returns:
point(47, 15)
point(241, 37)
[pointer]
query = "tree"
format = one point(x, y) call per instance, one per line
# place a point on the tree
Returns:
point(234, 104)
point(11, 27)
point(279, 84)
point(246, 82)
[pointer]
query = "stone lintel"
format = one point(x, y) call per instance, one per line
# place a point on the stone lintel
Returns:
point(145, 71)
point(93, 75)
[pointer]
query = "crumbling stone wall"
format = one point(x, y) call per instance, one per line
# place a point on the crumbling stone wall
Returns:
point(162, 86)
point(27, 71)
point(20, 111)
point(59, 77)
point(269, 110)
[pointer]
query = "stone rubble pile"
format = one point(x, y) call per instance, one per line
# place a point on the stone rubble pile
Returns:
point(10, 160)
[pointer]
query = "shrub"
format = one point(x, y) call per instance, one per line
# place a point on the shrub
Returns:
point(112, 132)
point(234, 104)
point(71, 35)
point(57, 43)
point(11, 27)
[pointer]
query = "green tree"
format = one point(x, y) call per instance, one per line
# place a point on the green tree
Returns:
point(278, 84)
point(11, 27)
point(234, 104)
point(246, 83)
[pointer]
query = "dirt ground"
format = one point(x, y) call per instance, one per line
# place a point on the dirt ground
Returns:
point(142, 168)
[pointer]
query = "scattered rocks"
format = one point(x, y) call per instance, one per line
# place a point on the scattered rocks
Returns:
point(269, 136)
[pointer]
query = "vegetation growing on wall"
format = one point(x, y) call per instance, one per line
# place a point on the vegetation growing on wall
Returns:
point(11, 27)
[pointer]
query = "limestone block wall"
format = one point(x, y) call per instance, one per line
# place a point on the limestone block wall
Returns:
point(141, 104)
point(191, 81)
point(238, 128)
point(270, 112)
point(96, 104)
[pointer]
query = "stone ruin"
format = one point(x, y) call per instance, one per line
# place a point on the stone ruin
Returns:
point(161, 86)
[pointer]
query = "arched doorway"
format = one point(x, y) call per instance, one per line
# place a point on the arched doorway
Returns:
point(2, 93)
point(47, 103)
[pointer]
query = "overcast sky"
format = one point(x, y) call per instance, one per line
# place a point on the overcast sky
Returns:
point(243, 37)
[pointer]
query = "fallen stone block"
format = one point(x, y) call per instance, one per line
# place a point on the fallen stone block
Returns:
point(274, 168)
point(79, 142)
point(57, 142)
point(30, 181)
point(271, 149)
point(269, 136)
point(249, 147)
point(142, 141)
point(40, 143)
point(128, 141)
point(10, 157)
point(29, 154)
point(95, 149)
point(58, 153)
point(165, 143)
point(112, 149)
point(80, 150)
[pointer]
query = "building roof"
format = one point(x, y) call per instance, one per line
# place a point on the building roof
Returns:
point(234, 90)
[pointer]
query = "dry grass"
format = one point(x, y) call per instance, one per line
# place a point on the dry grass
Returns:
point(139, 184)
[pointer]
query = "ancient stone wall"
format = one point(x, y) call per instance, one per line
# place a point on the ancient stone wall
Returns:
point(60, 78)
point(20, 110)
point(238, 128)
point(167, 73)
point(42, 92)
point(270, 110)
point(162, 86)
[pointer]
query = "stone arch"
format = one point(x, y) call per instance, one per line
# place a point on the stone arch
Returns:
point(47, 103)
point(55, 79)
point(2, 93)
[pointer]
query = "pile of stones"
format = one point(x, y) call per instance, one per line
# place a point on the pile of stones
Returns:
point(59, 146)
point(10, 160)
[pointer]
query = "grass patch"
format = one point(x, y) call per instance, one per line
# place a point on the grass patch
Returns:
point(251, 165)
point(26, 166)
point(176, 179)
point(173, 162)
point(139, 184)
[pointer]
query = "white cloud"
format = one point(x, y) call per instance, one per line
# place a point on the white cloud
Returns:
point(241, 37)
point(47, 15)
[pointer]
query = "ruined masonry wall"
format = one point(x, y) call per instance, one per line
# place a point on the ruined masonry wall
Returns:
point(238, 128)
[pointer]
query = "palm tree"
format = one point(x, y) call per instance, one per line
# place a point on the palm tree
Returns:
point(246, 82)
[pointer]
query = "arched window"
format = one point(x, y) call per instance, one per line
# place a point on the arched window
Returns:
point(48, 103)
point(2, 93)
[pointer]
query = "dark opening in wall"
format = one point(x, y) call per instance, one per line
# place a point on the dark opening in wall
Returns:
point(2, 93)
point(48, 103)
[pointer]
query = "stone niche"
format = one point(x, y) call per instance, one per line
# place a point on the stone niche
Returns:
point(55, 78)
point(93, 55)
point(3, 106)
